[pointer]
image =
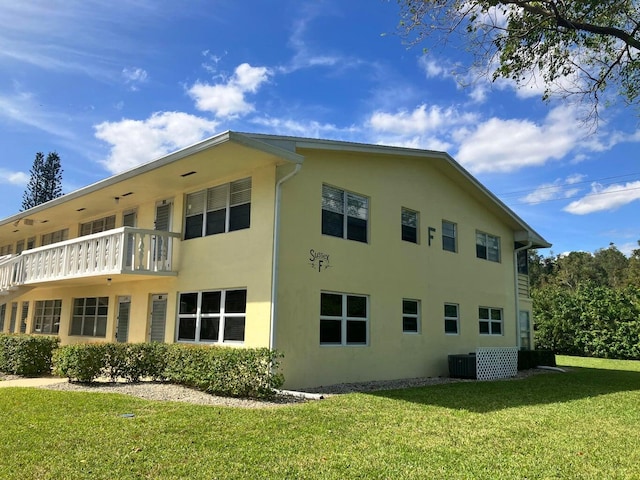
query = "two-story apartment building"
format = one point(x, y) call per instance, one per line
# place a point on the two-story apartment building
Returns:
point(358, 262)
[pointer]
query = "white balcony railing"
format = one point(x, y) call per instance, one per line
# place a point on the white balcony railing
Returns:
point(120, 251)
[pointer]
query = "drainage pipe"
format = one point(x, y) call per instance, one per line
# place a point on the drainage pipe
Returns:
point(275, 256)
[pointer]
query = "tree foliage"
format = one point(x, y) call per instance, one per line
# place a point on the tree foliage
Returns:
point(578, 47)
point(587, 304)
point(45, 182)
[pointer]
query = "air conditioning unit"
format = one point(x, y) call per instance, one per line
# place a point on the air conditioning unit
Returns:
point(462, 366)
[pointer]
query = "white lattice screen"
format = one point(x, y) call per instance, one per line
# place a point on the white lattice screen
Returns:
point(496, 362)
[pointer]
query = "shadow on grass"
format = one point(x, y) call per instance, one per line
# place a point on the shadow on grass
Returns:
point(484, 397)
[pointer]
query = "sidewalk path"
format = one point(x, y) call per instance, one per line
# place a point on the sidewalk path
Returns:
point(32, 382)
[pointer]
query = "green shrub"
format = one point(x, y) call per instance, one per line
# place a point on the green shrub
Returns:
point(83, 362)
point(532, 358)
point(235, 372)
point(144, 360)
point(26, 355)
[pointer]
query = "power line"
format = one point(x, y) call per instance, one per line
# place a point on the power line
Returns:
point(566, 186)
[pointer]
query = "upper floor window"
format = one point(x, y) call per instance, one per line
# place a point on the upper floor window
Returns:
point(6, 250)
point(220, 209)
point(344, 319)
point(98, 225)
point(409, 225)
point(344, 214)
point(216, 316)
point(487, 247)
point(449, 236)
point(490, 321)
point(55, 237)
point(523, 262)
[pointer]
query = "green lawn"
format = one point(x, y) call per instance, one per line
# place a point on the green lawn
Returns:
point(581, 424)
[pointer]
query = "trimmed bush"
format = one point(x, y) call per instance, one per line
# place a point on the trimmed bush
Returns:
point(234, 372)
point(26, 355)
point(83, 362)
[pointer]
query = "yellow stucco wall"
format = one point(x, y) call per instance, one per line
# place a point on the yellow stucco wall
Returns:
point(387, 269)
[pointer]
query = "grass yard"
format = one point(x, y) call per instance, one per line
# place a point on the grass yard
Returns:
point(582, 424)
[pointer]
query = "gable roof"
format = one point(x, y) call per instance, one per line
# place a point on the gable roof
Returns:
point(524, 234)
point(288, 150)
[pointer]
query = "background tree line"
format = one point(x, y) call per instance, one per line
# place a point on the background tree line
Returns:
point(587, 304)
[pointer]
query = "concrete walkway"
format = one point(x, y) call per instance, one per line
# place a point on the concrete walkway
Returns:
point(32, 382)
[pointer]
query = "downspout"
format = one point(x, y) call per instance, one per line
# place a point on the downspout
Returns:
point(517, 292)
point(275, 256)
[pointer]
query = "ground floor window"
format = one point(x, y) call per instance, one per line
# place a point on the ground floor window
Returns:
point(410, 316)
point(89, 317)
point(490, 321)
point(215, 316)
point(451, 319)
point(344, 319)
point(46, 318)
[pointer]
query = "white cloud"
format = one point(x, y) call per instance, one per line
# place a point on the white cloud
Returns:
point(134, 77)
point(605, 198)
point(13, 178)
point(559, 189)
point(134, 142)
point(498, 145)
point(227, 100)
point(418, 122)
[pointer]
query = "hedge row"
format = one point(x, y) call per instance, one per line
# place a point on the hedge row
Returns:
point(26, 355)
point(236, 372)
point(532, 358)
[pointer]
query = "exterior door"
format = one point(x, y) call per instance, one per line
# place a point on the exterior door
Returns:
point(124, 309)
point(158, 318)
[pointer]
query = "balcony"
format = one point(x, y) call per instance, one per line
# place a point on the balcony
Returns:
point(122, 251)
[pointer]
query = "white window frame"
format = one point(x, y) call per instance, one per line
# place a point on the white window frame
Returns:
point(222, 316)
point(411, 315)
point(449, 318)
point(484, 241)
point(236, 194)
point(410, 219)
point(47, 314)
point(350, 205)
point(454, 226)
point(98, 225)
point(491, 322)
point(55, 237)
point(344, 319)
point(101, 314)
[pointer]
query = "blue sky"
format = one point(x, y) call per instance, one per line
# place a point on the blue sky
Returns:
point(110, 85)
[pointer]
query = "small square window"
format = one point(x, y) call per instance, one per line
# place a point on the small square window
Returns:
point(490, 321)
point(344, 319)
